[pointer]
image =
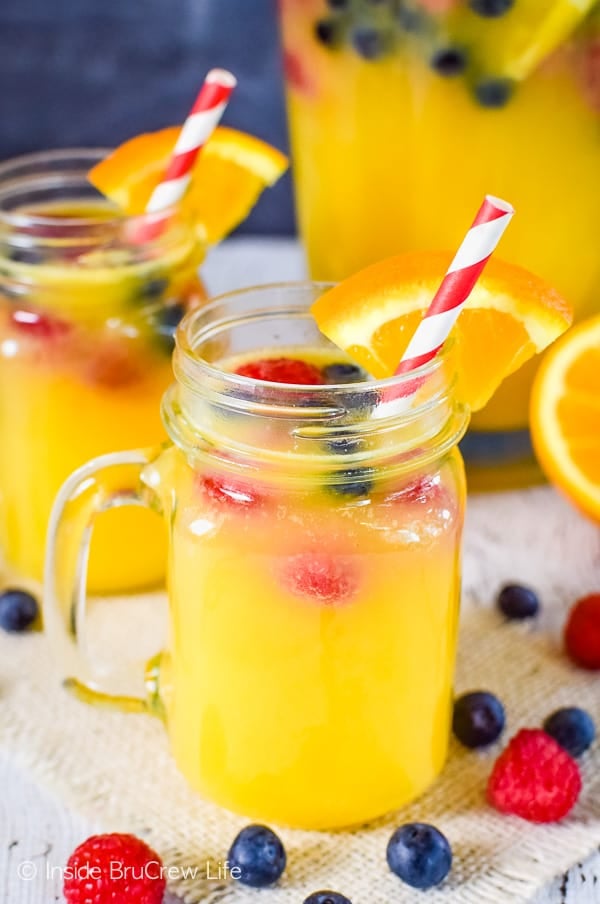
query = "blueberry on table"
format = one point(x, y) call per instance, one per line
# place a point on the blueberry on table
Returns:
point(327, 897)
point(494, 92)
point(478, 719)
point(419, 854)
point(329, 32)
point(491, 9)
point(259, 856)
point(343, 372)
point(370, 43)
point(449, 61)
point(572, 728)
point(18, 610)
point(518, 602)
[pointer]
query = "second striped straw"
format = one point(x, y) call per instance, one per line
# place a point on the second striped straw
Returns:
point(195, 132)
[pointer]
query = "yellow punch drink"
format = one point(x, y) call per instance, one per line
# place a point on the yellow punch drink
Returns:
point(314, 568)
point(87, 315)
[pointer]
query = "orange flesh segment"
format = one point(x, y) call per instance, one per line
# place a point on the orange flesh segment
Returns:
point(565, 416)
point(510, 316)
point(229, 175)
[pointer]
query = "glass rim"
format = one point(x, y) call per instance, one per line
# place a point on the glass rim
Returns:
point(14, 171)
point(188, 348)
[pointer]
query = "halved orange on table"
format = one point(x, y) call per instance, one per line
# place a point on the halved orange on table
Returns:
point(565, 416)
point(229, 175)
point(510, 316)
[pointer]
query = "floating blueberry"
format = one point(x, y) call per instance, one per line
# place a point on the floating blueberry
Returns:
point(370, 43)
point(572, 728)
point(478, 719)
point(345, 445)
point(327, 897)
point(259, 855)
point(154, 288)
point(343, 372)
point(165, 325)
point(494, 92)
point(517, 601)
point(18, 610)
point(419, 854)
point(491, 9)
point(353, 482)
point(338, 4)
point(361, 403)
point(329, 32)
point(26, 256)
point(449, 61)
point(411, 19)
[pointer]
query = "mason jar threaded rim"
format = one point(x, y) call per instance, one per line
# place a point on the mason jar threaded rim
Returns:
point(203, 410)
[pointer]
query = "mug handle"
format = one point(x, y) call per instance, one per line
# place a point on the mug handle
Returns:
point(106, 482)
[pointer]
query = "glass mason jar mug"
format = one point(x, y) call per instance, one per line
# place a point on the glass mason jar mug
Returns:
point(88, 304)
point(314, 571)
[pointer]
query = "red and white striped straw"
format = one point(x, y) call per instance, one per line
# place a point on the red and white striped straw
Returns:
point(476, 249)
point(195, 132)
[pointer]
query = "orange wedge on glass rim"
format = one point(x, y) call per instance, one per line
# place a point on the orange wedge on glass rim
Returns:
point(565, 416)
point(229, 175)
point(510, 316)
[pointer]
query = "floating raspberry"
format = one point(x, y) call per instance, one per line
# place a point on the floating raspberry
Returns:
point(282, 370)
point(298, 73)
point(321, 577)
point(39, 326)
point(110, 868)
point(582, 632)
point(112, 365)
point(589, 71)
point(534, 778)
point(232, 491)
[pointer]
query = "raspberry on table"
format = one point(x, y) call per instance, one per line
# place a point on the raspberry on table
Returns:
point(534, 778)
point(582, 632)
point(282, 370)
point(112, 868)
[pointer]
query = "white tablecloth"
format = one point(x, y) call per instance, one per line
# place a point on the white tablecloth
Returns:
point(36, 830)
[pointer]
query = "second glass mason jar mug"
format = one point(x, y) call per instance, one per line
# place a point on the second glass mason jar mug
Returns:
point(314, 571)
point(89, 300)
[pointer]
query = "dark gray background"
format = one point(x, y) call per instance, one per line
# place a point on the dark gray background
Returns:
point(95, 72)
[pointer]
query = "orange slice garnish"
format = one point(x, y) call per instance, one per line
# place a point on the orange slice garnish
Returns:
point(565, 416)
point(228, 178)
point(510, 316)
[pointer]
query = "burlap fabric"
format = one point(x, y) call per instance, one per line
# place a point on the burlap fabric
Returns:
point(116, 769)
